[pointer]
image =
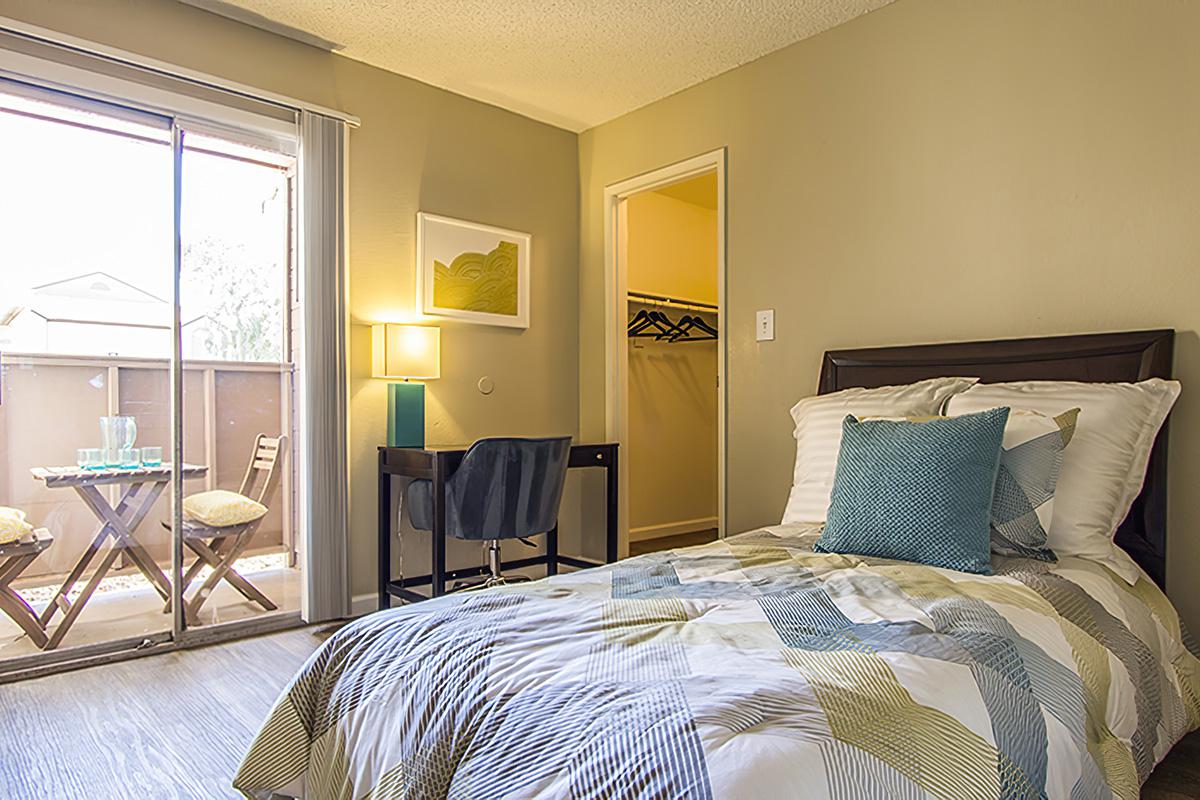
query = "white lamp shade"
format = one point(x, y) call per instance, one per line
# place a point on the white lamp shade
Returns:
point(406, 351)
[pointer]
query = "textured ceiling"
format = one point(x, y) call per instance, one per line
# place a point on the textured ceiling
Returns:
point(572, 63)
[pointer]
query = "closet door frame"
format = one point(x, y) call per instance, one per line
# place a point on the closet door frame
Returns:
point(616, 313)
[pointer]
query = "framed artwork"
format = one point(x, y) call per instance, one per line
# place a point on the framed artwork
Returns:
point(471, 272)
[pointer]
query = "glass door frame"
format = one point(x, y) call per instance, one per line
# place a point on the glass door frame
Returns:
point(175, 581)
point(179, 635)
point(184, 635)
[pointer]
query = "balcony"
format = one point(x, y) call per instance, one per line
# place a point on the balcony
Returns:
point(50, 406)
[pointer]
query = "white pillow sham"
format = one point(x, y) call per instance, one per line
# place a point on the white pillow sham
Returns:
point(819, 433)
point(1103, 469)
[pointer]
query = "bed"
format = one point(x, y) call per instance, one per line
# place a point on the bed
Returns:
point(755, 667)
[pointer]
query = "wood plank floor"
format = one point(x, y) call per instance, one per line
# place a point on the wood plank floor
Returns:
point(176, 725)
point(167, 726)
point(671, 542)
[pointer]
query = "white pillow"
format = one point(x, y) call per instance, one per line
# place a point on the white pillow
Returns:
point(819, 433)
point(1103, 469)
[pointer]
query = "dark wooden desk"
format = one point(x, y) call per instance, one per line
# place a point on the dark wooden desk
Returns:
point(436, 464)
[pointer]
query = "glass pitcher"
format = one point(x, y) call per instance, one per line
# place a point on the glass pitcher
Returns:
point(116, 434)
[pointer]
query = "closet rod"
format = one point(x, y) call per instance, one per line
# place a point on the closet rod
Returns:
point(663, 300)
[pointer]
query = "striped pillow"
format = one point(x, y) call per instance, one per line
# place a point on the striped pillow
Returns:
point(1103, 471)
point(819, 433)
point(1030, 461)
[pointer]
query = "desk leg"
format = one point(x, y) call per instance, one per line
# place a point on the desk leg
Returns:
point(438, 534)
point(552, 551)
point(611, 481)
point(385, 535)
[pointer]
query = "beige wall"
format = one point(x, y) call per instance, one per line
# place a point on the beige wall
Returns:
point(419, 148)
point(937, 171)
point(671, 249)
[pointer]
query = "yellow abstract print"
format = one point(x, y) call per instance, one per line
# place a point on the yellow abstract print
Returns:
point(485, 283)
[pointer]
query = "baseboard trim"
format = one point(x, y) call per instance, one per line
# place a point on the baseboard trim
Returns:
point(645, 532)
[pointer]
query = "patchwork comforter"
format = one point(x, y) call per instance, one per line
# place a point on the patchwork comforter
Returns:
point(747, 668)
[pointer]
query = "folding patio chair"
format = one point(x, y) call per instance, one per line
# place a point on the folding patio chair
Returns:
point(220, 547)
point(14, 558)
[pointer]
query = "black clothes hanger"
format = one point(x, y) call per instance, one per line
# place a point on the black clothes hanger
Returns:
point(639, 321)
point(648, 319)
point(654, 323)
point(704, 326)
point(662, 326)
point(686, 323)
point(669, 327)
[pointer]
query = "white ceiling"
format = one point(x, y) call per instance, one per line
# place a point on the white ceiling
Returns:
point(572, 63)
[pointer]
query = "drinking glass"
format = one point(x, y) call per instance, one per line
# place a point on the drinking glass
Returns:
point(131, 458)
point(89, 458)
point(152, 456)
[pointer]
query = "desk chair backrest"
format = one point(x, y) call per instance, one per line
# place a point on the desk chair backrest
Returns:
point(265, 468)
point(507, 488)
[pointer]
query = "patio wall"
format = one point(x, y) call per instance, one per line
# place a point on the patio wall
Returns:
point(50, 406)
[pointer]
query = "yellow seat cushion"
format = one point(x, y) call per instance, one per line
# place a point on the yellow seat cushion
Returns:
point(13, 525)
point(221, 508)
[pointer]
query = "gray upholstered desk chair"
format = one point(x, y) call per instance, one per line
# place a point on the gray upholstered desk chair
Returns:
point(503, 489)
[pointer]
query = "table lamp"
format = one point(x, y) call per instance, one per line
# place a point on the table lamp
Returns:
point(410, 352)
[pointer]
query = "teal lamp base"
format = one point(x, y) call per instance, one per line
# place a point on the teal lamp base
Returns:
point(406, 415)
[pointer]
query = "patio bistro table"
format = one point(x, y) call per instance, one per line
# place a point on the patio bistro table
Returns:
point(142, 488)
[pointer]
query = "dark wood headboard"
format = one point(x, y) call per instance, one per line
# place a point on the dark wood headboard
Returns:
point(1100, 357)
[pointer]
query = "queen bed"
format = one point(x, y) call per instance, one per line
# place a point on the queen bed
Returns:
point(756, 667)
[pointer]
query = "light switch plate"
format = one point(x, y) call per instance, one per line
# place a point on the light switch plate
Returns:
point(764, 325)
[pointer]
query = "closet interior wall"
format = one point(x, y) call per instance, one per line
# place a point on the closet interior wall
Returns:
point(671, 250)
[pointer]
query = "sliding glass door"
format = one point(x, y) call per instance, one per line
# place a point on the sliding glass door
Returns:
point(85, 311)
point(100, 324)
point(236, 303)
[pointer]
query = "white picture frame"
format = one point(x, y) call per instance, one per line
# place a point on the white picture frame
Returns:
point(463, 271)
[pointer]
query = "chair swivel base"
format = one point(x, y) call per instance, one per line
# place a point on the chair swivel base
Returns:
point(489, 582)
point(495, 576)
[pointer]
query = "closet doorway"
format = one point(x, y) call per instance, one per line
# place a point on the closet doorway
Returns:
point(666, 351)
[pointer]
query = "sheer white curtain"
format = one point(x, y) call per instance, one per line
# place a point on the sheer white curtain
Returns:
point(324, 470)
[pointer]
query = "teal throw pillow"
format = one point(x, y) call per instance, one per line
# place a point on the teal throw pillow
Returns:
point(917, 491)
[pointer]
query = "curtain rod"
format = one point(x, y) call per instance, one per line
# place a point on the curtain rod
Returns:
point(661, 299)
point(41, 35)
